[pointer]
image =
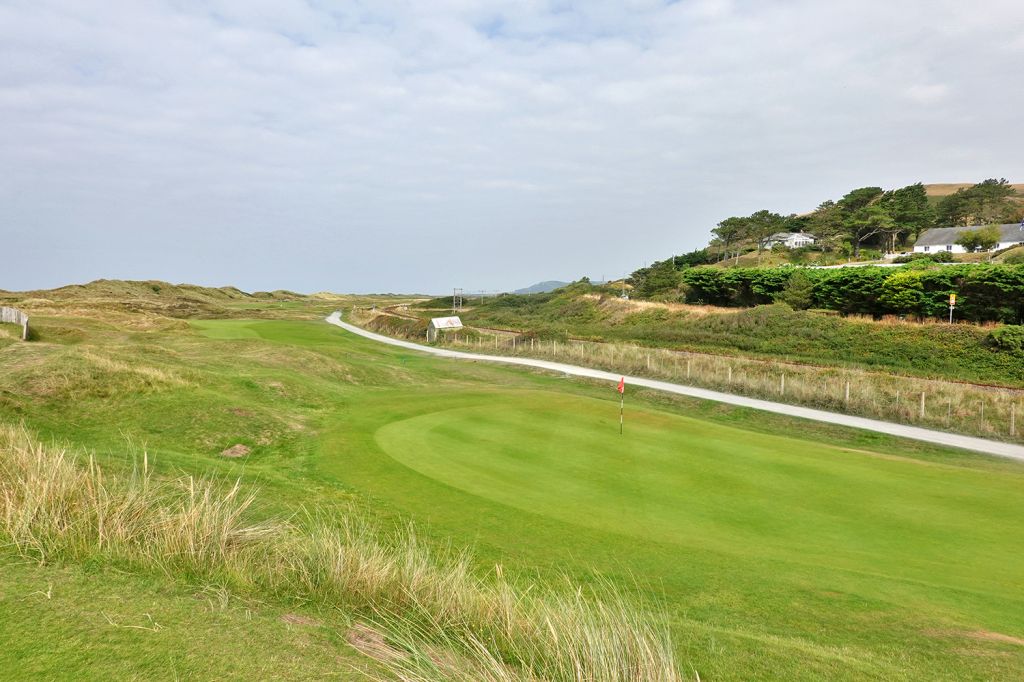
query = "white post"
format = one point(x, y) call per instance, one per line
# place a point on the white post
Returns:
point(1013, 419)
point(847, 397)
point(687, 368)
point(782, 385)
point(730, 374)
point(922, 404)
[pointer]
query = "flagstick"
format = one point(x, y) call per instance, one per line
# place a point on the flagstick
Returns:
point(622, 404)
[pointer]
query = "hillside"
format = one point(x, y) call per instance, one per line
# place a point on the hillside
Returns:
point(926, 350)
point(541, 287)
point(942, 189)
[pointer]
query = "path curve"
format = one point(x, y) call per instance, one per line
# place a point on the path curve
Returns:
point(990, 447)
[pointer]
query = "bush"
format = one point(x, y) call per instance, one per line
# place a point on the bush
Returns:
point(1009, 339)
point(937, 257)
point(799, 291)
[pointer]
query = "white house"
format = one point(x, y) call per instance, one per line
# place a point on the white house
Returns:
point(791, 240)
point(442, 324)
point(944, 238)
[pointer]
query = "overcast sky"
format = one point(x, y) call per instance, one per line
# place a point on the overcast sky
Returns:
point(417, 146)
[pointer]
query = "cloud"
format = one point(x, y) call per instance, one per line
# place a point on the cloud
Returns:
point(341, 146)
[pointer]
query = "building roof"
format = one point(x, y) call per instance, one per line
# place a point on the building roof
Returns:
point(941, 236)
point(783, 236)
point(446, 323)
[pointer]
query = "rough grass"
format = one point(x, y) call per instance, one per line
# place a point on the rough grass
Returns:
point(440, 620)
point(935, 351)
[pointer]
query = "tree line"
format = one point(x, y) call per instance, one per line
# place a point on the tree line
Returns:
point(985, 293)
point(872, 216)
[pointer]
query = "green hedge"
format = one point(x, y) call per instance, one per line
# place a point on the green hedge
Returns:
point(985, 293)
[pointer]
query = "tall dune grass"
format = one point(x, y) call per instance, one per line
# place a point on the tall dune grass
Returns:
point(973, 409)
point(439, 619)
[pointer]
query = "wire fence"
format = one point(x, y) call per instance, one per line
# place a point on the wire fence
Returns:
point(971, 409)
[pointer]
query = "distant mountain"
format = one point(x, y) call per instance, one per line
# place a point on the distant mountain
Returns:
point(541, 287)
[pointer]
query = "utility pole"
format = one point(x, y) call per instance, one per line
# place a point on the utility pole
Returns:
point(456, 300)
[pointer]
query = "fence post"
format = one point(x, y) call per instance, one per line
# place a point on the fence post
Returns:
point(846, 398)
point(782, 385)
point(922, 404)
point(1013, 419)
point(687, 368)
point(730, 374)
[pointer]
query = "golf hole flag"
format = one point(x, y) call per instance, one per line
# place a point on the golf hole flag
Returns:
point(622, 400)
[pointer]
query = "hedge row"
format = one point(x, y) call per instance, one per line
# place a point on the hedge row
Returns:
point(985, 293)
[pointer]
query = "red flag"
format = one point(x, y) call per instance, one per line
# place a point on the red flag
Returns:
point(622, 385)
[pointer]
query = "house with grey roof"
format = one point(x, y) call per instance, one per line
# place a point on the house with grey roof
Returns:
point(791, 240)
point(944, 238)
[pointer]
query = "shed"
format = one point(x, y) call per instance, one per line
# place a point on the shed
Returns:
point(442, 324)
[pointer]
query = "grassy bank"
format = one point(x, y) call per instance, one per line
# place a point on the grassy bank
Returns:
point(931, 350)
point(435, 619)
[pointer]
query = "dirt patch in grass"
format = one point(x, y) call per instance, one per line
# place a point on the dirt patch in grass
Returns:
point(297, 619)
point(989, 636)
point(370, 642)
point(236, 451)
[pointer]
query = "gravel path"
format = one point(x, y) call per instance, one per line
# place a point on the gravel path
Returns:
point(989, 447)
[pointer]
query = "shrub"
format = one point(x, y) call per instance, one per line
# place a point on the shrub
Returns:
point(1009, 339)
point(799, 291)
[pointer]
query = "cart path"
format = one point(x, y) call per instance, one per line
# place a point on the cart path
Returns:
point(990, 447)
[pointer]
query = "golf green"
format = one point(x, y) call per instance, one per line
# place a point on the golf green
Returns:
point(902, 523)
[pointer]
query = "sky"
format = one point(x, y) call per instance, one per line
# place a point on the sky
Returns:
point(419, 146)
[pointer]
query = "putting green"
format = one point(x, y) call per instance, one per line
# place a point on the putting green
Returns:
point(703, 485)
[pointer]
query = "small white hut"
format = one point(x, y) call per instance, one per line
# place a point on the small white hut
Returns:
point(442, 324)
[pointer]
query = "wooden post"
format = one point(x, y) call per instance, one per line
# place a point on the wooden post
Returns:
point(648, 362)
point(687, 368)
point(847, 396)
point(730, 374)
point(922, 404)
point(1013, 419)
point(949, 411)
point(513, 343)
point(782, 385)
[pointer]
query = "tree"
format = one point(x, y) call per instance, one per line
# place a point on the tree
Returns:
point(761, 225)
point(826, 223)
point(662, 277)
point(987, 202)
point(799, 291)
point(731, 231)
point(866, 222)
point(983, 239)
point(909, 208)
